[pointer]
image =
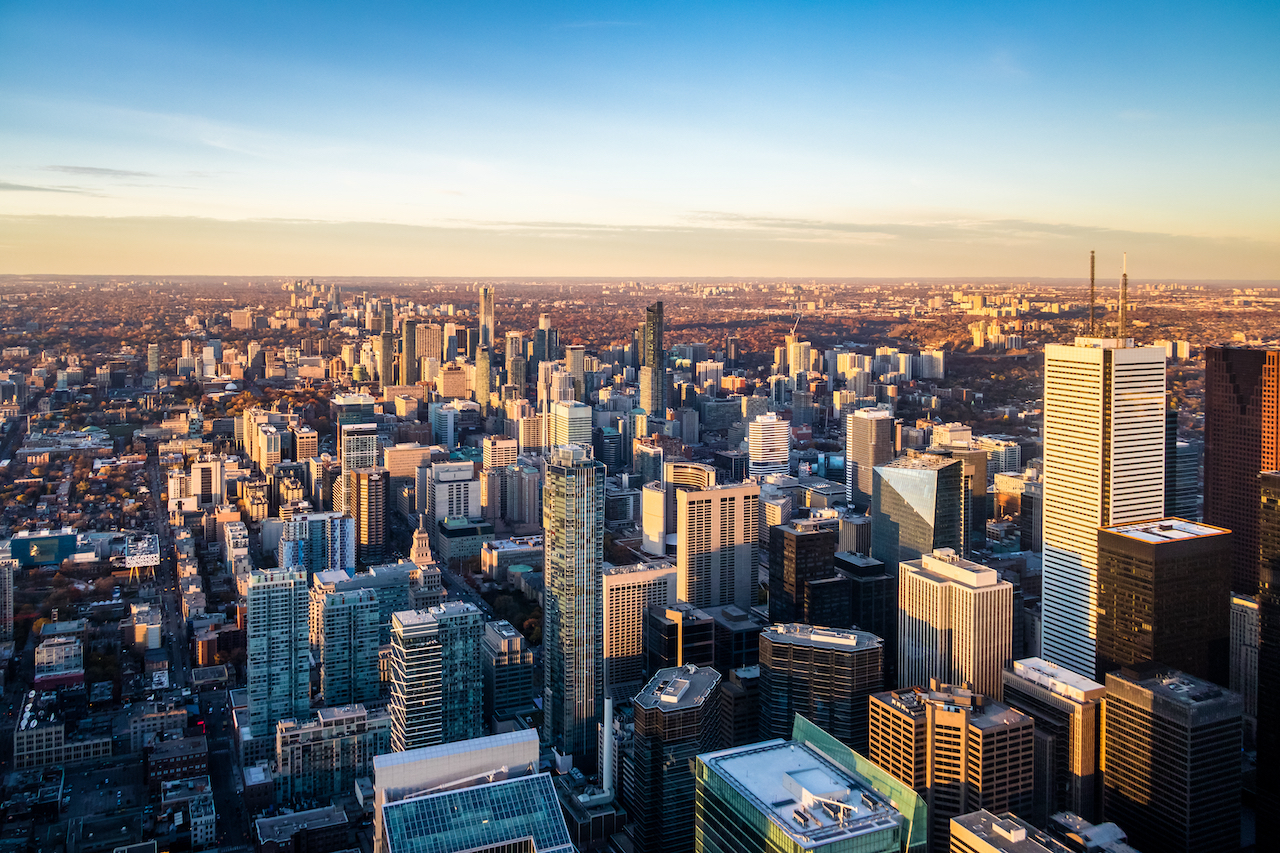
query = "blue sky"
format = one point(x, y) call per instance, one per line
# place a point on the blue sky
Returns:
point(640, 139)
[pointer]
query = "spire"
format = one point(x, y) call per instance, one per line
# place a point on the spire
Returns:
point(420, 555)
point(1093, 296)
point(1124, 294)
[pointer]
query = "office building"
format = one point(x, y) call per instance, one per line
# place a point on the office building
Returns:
point(716, 548)
point(572, 639)
point(809, 794)
point(570, 423)
point(824, 674)
point(508, 672)
point(768, 445)
point(677, 717)
point(1241, 438)
point(1268, 720)
point(1104, 425)
point(627, 594)
point(499, 452)
point(737, 637)
point(385, 352)
point(480, 795)
point(1245, 637)
point(958, 749)
point(346, 644)
point(984, 832)
point(436, 679)
point(917, 507)
point(678, 635)
point(955, 623)
point(277, 649)
point(868, 442)
point(367, 500)
point(1067, 709)
point(409, 353)
point(803, 584)
point(1171, 760)
point(1164, 595)
point(322, 757)
point(873, 597)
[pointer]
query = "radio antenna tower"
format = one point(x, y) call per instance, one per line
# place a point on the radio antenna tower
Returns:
point(1093, 296)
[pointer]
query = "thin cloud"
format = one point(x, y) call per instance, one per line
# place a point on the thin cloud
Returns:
point(99, 172)
point(25, 188)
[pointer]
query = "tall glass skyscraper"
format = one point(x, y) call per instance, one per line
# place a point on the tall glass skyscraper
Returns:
point(488, 328)
point(409, 353)
point(654, 364)
point(573, 635)
point(278, 649)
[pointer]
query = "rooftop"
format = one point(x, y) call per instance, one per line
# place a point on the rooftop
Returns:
point(797, 634)
point(921, 462)
point(1060, 680)
point(1166, 530)
point(679, 688)
point(514, 543)
point(280, 829)
point(808, 798)
point(944, 565)
point(1007, 833)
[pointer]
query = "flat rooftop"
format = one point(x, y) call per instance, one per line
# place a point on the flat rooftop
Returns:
point(808, 798)
point(679, 688)
point(1057, 679)
point(921, 462)
point(1166, 530)
point(280, 829)
point(1007, 833)
point(797, 634)
point(520, 543)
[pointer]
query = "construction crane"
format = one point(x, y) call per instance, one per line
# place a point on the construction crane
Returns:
point(796, 324)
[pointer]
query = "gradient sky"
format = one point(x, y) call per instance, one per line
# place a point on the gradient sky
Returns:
point(766, 139)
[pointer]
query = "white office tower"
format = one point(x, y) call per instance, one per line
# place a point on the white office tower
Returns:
point(1104, 422)
point(768, 446)
point(716, 544)
point(277, 606)
point(570, 423)
point(628, 593)
point(955, 623)
point(573, 641)
point(488, 326)
point(447, 490)
point(868, 442)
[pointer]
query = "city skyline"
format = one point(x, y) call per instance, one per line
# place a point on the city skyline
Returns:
point(833, 140)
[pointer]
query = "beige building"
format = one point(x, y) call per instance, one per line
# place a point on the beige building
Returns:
point(717, 551)
point(628, 593)
point(955, 623)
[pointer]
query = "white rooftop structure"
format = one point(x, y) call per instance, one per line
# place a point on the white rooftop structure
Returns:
point(1166, 530)
point(1058, 679)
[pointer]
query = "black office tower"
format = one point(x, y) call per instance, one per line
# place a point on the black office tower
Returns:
point(800, 554)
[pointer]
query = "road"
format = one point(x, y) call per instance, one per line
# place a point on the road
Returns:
point(458, 590)
point(175, 628)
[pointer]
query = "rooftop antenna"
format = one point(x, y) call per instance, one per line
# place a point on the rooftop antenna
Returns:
point(1093, 296)
point(1124, 293)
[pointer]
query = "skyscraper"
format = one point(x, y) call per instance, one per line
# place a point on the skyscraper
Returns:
point(716, 549)
point(573, 641)
point(346, 645)
point(508, 671)
point(318, 542)
point(367, 499)
point(628, 593)
point(677, 717)
point(1241, 438)
point(277, 649)
point(409, 353)
point(653, 354)
point(1067, 708)
point(483, 385)
point(1104, 426)
point(955, 623)
point(1164, 595)
point(1268, 724)
point(437, 685)
point(768, 445)
point(917, 506)
point(801, 568)
point(386, 352)
point(1171, 761)
point(868, 442)
point(959, 750)
point(488, 328)
point(823, 674)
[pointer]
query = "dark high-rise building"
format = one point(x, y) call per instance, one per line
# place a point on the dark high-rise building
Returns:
point(1171, 761)
point(917, 507)
point(823, 674)
point(1268, 724)
point(873, 597)
point(803, 585)
point(737, 637)
point(573, 633)
point(677, 636)
point(732, 351)
point(607, 442)
point(368, 503)
point(677, 717)
point(740, 706)
point(868, 442)
point(1241, 438)
point(1181, 472)
point(1164, 595)
point(653, 373)
point(409, 353)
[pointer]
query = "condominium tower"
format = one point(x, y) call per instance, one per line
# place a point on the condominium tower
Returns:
point(278, 648)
